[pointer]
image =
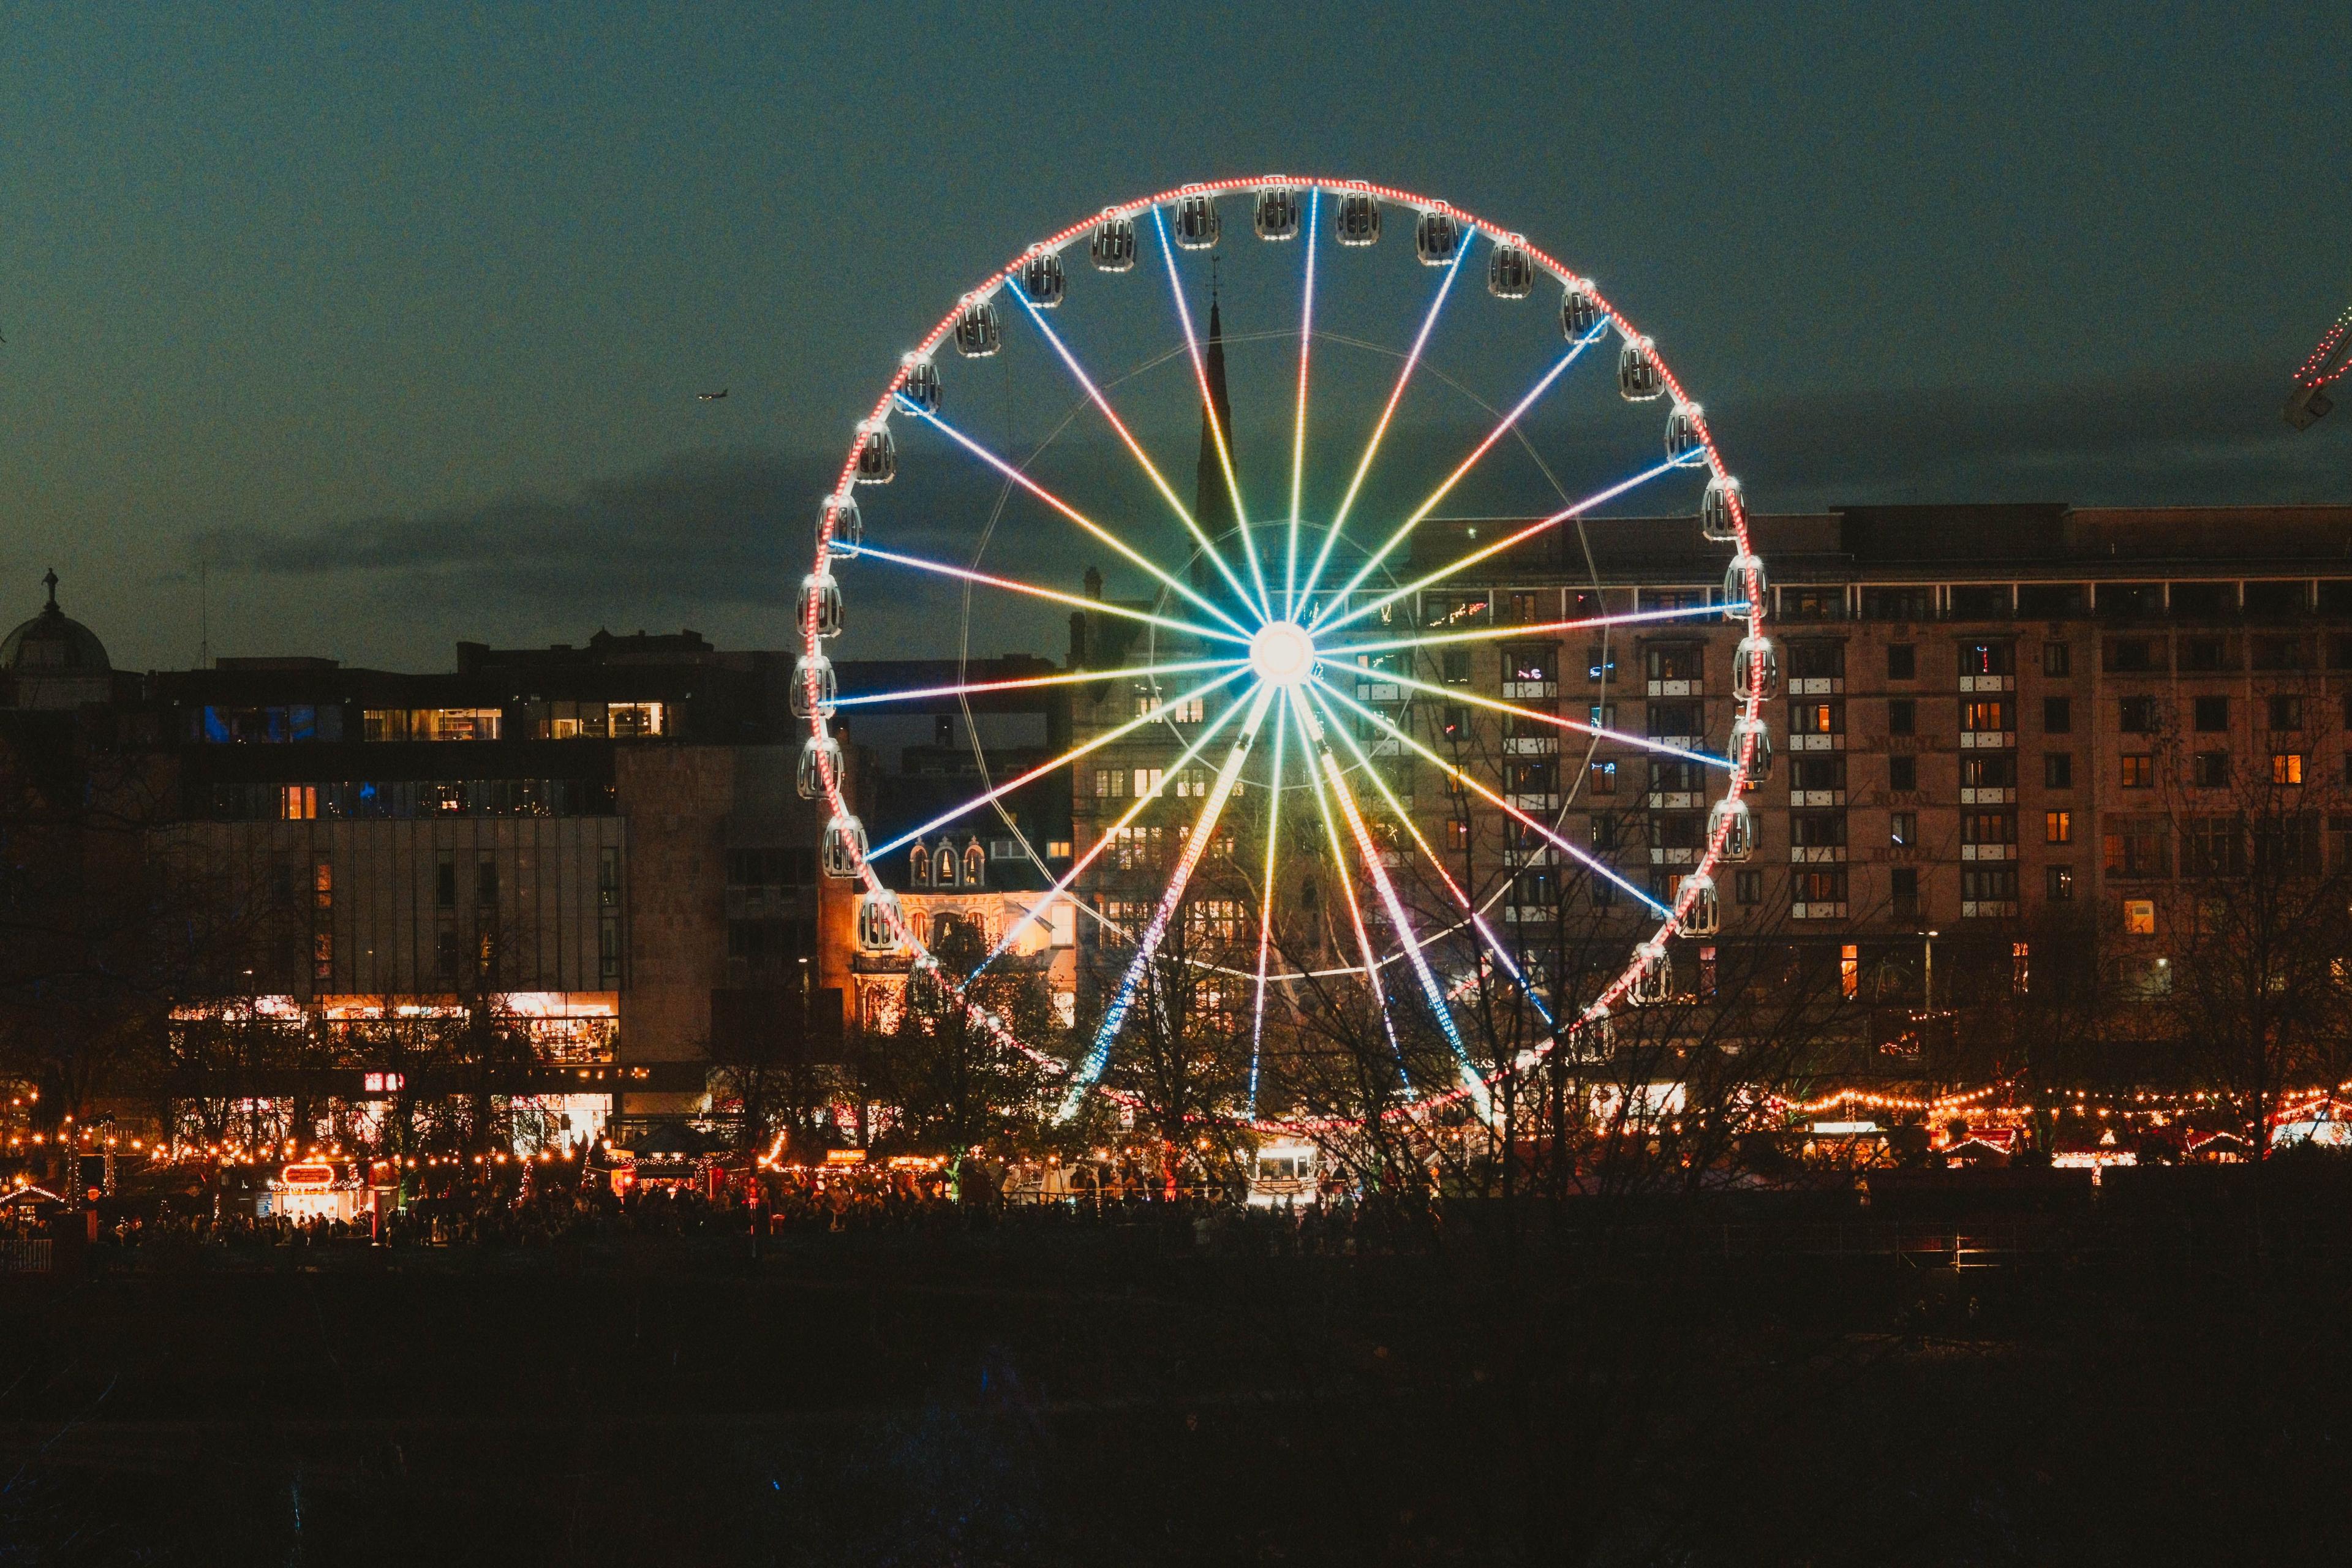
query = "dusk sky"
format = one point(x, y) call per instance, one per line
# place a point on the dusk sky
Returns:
point(393, 321)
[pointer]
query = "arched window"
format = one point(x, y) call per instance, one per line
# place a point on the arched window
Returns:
point(943, 860)
point(922, 921)
point(975, 865)
point(918, 866)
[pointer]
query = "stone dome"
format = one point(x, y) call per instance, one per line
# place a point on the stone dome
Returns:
point(53, 644)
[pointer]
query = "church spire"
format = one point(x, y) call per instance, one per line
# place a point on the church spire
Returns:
point(1212, 500)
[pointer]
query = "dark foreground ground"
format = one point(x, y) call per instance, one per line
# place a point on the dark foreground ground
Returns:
point(1682, 1393)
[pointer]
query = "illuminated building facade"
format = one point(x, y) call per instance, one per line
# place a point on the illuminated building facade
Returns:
point(918, 759)
point(607, 839)
point(1989, 722)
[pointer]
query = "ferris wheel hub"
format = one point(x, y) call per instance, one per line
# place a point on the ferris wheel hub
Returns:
point(1282, 654)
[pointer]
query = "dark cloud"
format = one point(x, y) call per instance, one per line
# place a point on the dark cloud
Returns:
point(707, 530)
point(716, 526)
point(2209, 435)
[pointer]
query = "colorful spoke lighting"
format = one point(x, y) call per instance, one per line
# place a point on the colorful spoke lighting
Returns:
point(1327, 628)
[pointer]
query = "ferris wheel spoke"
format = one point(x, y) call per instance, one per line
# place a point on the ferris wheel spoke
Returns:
point(1297, 473)
point(1010, 471)
point(1015, 585)
point(1195, 845)
point(1495, 705)
point(1600, 868)
point(1211, 417)
point(1135, 448)
point(1503, 427)
point(1347, 889)
point(1599, 497)
point(1152, 715)
point(1190, 666)
point(1265, 901)
point(1436, 862)
point(1381, 427)
point(1400, 922)
point(1108, 836)
point(1526, 629)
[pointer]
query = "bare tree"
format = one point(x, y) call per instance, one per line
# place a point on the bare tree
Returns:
point(2250, 982)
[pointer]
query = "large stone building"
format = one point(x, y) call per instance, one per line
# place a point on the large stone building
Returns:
point(605, 838)
point(1990, 720)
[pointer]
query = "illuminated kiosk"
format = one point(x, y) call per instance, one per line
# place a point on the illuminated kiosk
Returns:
point(320, 1189)
point(1292, 612)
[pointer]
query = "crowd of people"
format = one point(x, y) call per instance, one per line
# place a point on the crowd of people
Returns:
point(968, 1196)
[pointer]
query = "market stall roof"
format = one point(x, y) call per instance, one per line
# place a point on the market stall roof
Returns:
point(671, 1142)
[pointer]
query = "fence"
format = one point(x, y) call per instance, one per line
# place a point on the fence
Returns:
point(24, 1255)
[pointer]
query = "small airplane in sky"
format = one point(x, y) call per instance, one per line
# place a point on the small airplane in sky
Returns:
point(710, 396)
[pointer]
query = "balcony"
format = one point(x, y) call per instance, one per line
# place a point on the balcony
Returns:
point(1816, 797)
point(1659, 857)
point(1818, 910)
point(1816, 854)
point(1988, 739)
point(1531, 688)
point(1530, 746)
point(1988, 796)
point(1687, 742)
point(1988, 909)
point(1831, 742)
point(1533, 801)
point(1673, 800)
point(1378, 691)
point(1678, 688)
point(1817, 686)
point(1988, 683)
point(1384, 746)
point(1527, 914)
point(1988, 851)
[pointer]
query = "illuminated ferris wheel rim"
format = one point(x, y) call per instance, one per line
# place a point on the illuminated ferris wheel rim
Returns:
point(1275, 657)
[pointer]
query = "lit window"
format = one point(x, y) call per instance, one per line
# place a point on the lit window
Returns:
point(630, 721)
point(431, 723)
point(2140, 917)
point(1146, 782)
point(2287, 767)
point(2058, 827)
point(2139, 770)
point(1850, 971)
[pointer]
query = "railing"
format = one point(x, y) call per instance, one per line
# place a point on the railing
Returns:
point(24, 1255)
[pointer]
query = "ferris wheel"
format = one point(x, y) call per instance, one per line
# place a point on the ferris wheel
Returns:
point(1280, 580)
point(2325, 365)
